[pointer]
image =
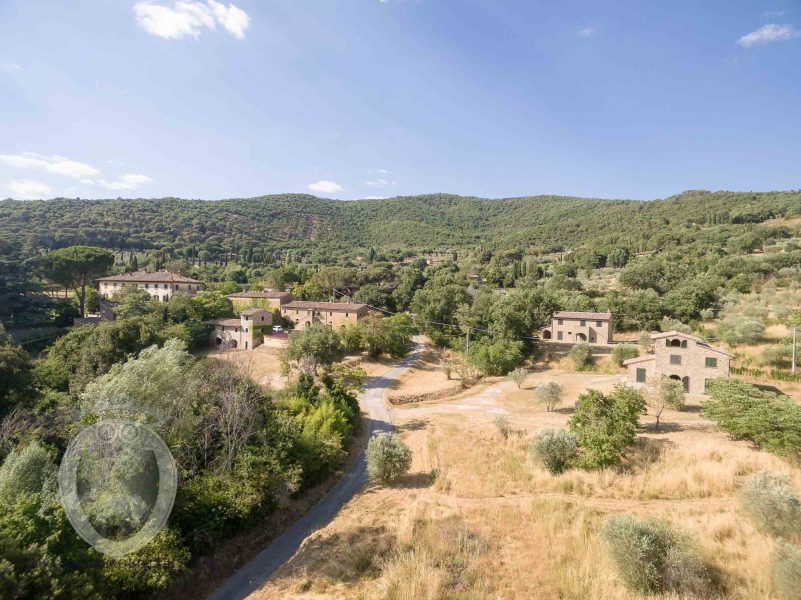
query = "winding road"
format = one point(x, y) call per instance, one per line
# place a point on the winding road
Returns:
point(249, 578)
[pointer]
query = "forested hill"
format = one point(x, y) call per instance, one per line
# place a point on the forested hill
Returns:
point(317, 226)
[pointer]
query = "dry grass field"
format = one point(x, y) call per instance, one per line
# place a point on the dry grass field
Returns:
point(476, 519)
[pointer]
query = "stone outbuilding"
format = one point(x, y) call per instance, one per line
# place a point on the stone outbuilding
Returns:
point(680, 356)
point(268, 299)
point(335, 314)
point(576, 327)
point(244, 333)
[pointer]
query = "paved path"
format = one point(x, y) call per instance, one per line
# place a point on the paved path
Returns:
point(250, 577)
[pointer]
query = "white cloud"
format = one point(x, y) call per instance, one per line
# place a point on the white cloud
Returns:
point(374, 198)
point(769, 33)
point(58, 165)
point(182, 18)
point(10, 67)
point(129, 181)
point(27, 189)
point(587, 32)
point(325, 187)
point(379, 183)
point(772, 14)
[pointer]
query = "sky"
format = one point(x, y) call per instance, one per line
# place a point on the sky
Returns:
point(376, 98)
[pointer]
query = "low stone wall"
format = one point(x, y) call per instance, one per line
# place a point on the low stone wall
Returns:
point(429, 396)
point(275, 342)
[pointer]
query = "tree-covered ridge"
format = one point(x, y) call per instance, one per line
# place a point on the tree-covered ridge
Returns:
point(269, 226)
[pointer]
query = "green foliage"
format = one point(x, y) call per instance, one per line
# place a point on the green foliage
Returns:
point(385, 335)
point(318, 344)
point(388, 458)
point(151, 568)
point(772, 504)
point(605, 425)
point(15, 373)
point(77, 267)
point(496, 357)
point(549, 394)
point(518, 375)
point(736, 330)
point(209, 305)
point(785, 570)
point(435, 306)
point(653, 557)
point(770, 421)
point(555, 449)
point(581, 355)
point(135, 302)
point(623, 352)
point(28, 470)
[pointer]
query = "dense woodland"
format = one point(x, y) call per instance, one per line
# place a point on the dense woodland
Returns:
point(725, 265)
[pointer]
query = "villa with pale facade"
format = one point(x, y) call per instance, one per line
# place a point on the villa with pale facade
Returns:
point(569, 327)
point(680, 356)
point(244, 332)
point(335, 314)
point(159, 284)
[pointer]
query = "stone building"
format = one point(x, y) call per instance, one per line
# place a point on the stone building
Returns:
point(335, 314)
point(159, 284)
point(260, 299)
point(576, 327)
point(246, 332)
point(680, 356)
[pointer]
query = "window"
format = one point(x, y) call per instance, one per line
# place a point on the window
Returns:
point(640, 375)
point(711, 362)
point(683, 343)
point(675, 359)
point(599, 323)
point(558, 335)
point(560, 321)
point(584, 323)
point(147, 285)
point(347, 314)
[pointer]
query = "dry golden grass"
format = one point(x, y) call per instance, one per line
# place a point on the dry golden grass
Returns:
point(476, 518)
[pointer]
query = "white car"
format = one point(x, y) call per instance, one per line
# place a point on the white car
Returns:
point(277, 329)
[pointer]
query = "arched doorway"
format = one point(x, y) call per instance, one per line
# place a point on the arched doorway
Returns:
point(580, 337)
point(546, 335)
point(685, 381)
point(218, 341)
point(233, 343)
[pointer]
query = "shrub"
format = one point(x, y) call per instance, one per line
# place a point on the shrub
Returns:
point(501, 422)
point(28, 470)
point(388, 458)
point(772, 505)
point(777, 355)
point(735, 330)
point(581, 355)
point(785, 571)
point(623, 352)
point(549, 393)
point(668, 324)
point(665, 393)
point(518, 376)
point(605, 425)
point(497, 357)
point(770, 421)
point(652, 557)
point(556, 450)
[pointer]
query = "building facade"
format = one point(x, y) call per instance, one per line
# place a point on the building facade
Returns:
point(260, 299)
point(159, 284)
point(577, 327)
point(335, 314)
point(680, 356)
point(244, 333)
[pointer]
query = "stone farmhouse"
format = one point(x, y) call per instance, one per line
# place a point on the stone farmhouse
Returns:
point(335, 314)
point(576, 327)
point(159, 284)
point(680, 356)
point(245, 332)
point(268, 299)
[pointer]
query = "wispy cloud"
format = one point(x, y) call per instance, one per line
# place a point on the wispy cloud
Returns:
point(130, 181)
point(57, 165)
point(767, 34)
point(773, 14)
point(379, 183)
point(10, 67)
point(181, 19)
point(374, 198)
point(27, 189)
point(587, 32)
point(325, 187)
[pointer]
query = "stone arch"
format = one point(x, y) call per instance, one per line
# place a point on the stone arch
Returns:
point(546, 335)
point(580, 337)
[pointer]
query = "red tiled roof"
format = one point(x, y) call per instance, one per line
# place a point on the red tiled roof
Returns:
point(256, 294)
point(323, 306)
point(700, 341)
point(155, 277)
point(590, 316)
point(639, 359)
point(253, 311)
point(231, 322)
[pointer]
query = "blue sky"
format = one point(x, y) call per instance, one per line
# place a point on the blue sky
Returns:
point(361, 98)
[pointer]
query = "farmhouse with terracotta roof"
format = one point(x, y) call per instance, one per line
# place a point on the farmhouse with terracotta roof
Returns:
point(245, 332)
point(159, 284)
point(334, 314)
point(680, 356)
point(568, 327)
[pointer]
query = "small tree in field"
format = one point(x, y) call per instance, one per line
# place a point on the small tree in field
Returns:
point(518, 376)
point(581, 355)
point(549, 393)
point(623, 352)
point(556, 450)
point(388, 458)
point(665, 393)
point(447, 368)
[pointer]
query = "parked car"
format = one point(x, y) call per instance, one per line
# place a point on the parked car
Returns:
point(277, 329)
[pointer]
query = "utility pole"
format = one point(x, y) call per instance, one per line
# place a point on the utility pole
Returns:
point(792, 365)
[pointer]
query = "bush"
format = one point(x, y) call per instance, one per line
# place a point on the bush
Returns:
point(518, 376)
point(28, 470)
point(785, 571)
point(777, 355)
point(605, 425)
point(770, 421)
point(388, 458)
point(623, 352)
point(501, 422)
point(549, 393)
point(581, 355)
point(556, 450)
point(652, 557)
point(735, 330)
point(772, 505)
point(496, 358)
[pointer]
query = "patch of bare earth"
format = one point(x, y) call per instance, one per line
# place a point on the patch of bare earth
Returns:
point(475, 518)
